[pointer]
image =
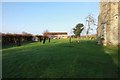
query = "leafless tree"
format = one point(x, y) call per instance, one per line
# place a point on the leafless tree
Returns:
point(90, 20)
point(45, 33)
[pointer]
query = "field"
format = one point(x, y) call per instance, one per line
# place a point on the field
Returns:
point(60, 59)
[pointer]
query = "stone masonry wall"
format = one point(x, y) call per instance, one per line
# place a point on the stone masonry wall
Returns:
point(119, 23)
point(108, 23)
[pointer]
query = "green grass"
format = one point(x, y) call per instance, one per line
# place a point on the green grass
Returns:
point(60, 59)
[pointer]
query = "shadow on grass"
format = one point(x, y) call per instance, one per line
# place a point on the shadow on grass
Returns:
point(14, 45)
point(62, 60)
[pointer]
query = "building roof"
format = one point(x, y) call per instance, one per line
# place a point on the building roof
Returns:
point(57, 33)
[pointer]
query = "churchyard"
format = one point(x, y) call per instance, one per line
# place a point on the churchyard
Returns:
point(60, 59)
point(87, 47)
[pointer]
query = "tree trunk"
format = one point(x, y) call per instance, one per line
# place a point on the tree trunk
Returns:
point(78, 39)
point(70, 39)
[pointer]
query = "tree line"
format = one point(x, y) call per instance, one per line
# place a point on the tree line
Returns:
point(16, 39)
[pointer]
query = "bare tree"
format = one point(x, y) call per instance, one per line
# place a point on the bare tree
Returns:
point(45, 33)
point(90, 20)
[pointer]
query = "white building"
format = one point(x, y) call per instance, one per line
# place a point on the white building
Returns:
point(57, 35)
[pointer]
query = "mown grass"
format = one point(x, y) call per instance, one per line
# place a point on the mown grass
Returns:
point(60, 59)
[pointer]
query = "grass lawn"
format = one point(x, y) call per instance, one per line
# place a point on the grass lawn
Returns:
point(60, 59)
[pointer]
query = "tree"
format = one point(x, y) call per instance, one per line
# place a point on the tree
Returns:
point(90, 20)
point(45, 33)
point(78, 29)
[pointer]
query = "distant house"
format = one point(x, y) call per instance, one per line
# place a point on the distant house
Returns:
point(57, 35)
